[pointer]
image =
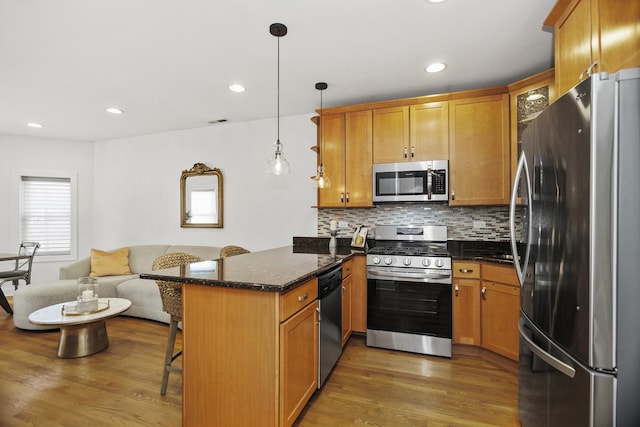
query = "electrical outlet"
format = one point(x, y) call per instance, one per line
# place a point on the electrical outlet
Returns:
point(343, 224)
point(479, 224)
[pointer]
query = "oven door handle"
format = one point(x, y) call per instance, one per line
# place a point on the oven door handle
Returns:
point(405, 276)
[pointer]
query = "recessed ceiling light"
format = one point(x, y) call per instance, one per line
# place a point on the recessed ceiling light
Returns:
point(34, 125)
point(436, 1)
point(236, 88)
point(114, 110)
point(436, 67)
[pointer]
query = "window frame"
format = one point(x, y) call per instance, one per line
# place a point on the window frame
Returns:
point(18, 185)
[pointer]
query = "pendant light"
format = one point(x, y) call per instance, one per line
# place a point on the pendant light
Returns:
point(278, 165)
point(321, 180)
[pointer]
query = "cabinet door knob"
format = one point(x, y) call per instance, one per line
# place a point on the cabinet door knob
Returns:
point(347, 197)
point(341, 197)
point(484, 292)
point(404, 152)
point(457, 288)
point(466, 270)
point(413, 152)
point(303, 297)
point(453, 195)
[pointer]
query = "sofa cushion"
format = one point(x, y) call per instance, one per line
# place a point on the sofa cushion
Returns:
point(109, 263)
point(141, 257)
point(145, 299)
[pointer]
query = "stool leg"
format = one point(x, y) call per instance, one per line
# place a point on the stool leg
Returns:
point(168, 358)
point(5, 304)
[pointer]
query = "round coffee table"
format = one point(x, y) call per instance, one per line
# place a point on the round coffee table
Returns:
point(80, 334)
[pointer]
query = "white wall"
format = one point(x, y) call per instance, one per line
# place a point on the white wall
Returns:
point(129, 189)
point(137, 185)
point(37, 155)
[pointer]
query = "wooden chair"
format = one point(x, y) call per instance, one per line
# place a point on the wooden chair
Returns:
point(232, 250)
point(171, 295)
point(22, 271)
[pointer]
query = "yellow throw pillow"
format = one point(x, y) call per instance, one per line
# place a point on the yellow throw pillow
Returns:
point(110, 263)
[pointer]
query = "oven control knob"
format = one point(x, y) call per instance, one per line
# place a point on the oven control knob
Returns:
point(439, 263)
point(426, 262)
point(407, 261)
point(388, 261)
point(376, 260)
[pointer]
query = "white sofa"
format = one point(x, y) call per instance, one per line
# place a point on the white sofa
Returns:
point(143, 294)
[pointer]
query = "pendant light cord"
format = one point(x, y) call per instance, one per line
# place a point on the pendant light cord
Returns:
point(278, 85)
point(321, 130)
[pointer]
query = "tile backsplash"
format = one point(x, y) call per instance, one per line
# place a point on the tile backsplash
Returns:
point(464, 223)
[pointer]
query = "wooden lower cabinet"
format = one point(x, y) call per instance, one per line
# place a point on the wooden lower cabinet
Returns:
point(466, 303)
point(500, 301)
point(359, 294)
point(486, 306)
point(466, 311)
point(250, 358)
point(298, 362)
point(346, 309)
point(500, 312)
point(346, 300)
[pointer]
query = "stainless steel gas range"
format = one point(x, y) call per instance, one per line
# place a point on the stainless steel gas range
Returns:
point(409, 290)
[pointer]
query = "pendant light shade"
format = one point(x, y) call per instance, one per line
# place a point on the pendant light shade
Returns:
point(321, 180)
point(277, 164)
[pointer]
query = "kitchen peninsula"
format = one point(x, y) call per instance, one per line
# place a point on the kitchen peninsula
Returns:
point(250, 336)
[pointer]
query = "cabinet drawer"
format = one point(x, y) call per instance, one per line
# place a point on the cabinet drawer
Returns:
point(469, 270)
point(295, 299)
point(499, 273)
point(347, 266)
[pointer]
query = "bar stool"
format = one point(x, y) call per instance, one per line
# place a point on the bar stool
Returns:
point(171, 295)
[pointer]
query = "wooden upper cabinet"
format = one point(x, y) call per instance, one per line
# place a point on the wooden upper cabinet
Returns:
point(333, 157)
point(479, 150)
point(573, 50)
point(429, 125)
point(411, 133)
point(619, 23)
point(347, 156)
point(391, 134)
point(603, 33)
point(528, 98)
point(359, 153)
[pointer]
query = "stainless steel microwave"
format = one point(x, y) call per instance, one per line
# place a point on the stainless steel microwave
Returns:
point(426, 181)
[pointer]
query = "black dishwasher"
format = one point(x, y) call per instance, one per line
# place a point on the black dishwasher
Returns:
point(330, 336)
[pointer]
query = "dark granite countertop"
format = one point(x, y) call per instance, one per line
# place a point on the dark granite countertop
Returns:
point(276, 270)
point(492, 251)
point(476, 250)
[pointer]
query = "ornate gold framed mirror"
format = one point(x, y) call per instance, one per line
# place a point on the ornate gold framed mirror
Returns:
point(201, 197)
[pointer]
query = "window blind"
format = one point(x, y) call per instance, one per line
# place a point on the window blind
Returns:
point(46, 214)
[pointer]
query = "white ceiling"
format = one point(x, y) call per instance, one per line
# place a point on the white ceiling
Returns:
point(168, 63)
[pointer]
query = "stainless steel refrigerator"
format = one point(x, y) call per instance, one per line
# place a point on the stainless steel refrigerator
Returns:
point(577, 256)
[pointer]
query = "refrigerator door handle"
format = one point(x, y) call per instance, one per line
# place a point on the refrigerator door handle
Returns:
point(549, 359)
point(522, 165)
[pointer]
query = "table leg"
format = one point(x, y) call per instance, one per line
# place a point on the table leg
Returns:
point(82, 340)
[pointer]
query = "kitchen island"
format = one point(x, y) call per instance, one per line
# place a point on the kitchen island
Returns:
point(250, 343)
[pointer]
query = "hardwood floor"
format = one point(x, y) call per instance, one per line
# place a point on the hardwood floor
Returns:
point(121, 385)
